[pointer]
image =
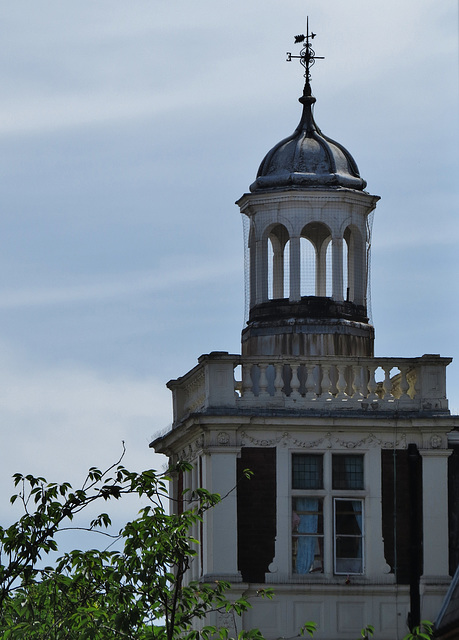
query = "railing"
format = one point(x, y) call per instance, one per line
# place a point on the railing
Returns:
point(326, 383)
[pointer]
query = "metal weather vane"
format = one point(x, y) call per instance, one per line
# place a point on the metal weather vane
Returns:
point(307, 55)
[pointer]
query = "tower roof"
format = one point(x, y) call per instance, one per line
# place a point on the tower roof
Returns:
point(308, 158)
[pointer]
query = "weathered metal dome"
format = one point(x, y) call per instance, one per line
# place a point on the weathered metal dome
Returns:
point(308, 159)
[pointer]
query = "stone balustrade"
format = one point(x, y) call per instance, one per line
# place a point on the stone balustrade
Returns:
point(327, 383)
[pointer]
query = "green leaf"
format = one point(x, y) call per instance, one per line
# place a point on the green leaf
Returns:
point(308, 627)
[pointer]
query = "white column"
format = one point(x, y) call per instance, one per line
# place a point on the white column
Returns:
point(435, 511)
point(220, 522)
point(295, 274)
point(280, 566)
point(375, 563)
point(262, 271)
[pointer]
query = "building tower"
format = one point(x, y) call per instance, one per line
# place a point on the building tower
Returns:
point(347, 513)
point(308, 242)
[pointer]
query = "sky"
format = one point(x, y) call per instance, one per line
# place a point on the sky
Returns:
point(127, 132)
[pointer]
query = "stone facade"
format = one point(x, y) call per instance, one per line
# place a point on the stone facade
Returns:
point(348, 515)
point(248, 538)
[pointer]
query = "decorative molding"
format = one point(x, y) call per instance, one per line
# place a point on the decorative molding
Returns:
point(372, 441)
point(435, 453)
point(436, 441)
point(273, 568)
point(189, 452)
point(261, 443)
point(223, 438)
point(324, 443)
point(328, 441)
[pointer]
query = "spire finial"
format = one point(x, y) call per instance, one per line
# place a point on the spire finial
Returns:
point(307, 56)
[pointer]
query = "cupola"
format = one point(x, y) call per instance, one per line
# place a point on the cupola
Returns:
point(308, 244)
point(308, 159)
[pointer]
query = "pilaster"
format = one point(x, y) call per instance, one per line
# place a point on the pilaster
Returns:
point(435, 512)
point(220, 530)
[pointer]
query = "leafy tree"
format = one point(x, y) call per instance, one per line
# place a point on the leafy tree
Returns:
point(134, 589)
point(425, 631)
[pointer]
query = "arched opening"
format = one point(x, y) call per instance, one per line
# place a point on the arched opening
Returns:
point(328, 269)
point(346, 288)
point(354, 266)
point(286, 292)
point(278, 262)
point(307, 267)
point(251, 270)
point(317, 278)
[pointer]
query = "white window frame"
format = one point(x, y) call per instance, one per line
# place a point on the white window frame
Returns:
point(361, 537)
point(328, 495)
point(315, 535)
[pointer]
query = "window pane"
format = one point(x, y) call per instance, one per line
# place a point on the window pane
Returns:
point(347, 472)
point(307, 471)
point(307, 535)
point(348, 536)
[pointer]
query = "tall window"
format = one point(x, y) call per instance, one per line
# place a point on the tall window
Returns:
point(308, 266)
point(286, 292)
point(327, 513)
point(307, 514)
point(329, 271)
point(278, 264)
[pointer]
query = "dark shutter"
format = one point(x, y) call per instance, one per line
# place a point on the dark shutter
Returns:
point(453, 509)
point(256, 512)
point(402, 512)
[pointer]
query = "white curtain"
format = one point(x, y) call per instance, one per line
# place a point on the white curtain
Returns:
point(308, 524)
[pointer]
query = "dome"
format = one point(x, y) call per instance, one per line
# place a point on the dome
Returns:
point(308, 159)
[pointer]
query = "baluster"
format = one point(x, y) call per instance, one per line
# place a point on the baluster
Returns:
point(365, 376)
point(372, 384)
point(263, 380)
point(357, 382)
point(279, 380)
point(341, 384)
point(310, 383)
point(387, 384)
point(247, 383)
point(295, 382)
point(326, 383)
point(404, 384)
point(415, 383)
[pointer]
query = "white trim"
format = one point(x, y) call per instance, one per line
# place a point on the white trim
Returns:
point(362, 536)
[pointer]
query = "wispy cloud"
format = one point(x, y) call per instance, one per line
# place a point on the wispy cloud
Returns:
point(108, 288)
point(58, 421)
point(53, 113)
